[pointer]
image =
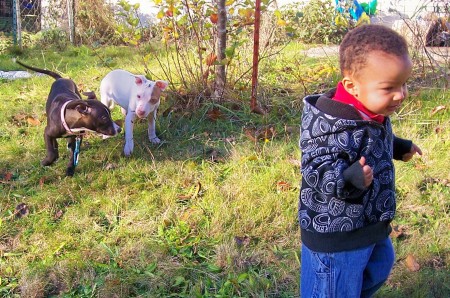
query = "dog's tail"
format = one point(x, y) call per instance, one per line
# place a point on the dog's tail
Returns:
point(44, 71)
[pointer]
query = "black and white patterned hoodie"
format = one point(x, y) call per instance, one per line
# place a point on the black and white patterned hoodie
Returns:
point(336, 211)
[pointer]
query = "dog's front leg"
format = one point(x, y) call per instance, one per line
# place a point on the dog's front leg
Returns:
point(51, 146)
point(129, 124)
point(70, 166)
point(71, 144)
point(152, 128)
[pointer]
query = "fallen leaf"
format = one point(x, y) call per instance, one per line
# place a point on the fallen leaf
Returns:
point(7, 177)
point(33, 121)
point(251, 134)
point(437, 109)
point(265, 133)
point(42, 182)
point(192, 193)
point(21, 210)
point(214, 114)
point(412, 264)
point(397, 232)
point(283, 186)
point(110, 166)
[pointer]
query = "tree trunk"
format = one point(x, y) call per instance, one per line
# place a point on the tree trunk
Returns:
point(253, 101)
point(221, 46)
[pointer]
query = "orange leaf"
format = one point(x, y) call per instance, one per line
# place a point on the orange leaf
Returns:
point(283, 186)
point(412, 264)
point(214, 18)
point(210, 59)
point(33, 121)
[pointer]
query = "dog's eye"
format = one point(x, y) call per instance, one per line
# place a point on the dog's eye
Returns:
point(138, 96)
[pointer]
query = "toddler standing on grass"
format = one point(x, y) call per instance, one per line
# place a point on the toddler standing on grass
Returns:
point(347, 196)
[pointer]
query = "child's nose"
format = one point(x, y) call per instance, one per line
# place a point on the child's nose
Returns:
point(401, 93)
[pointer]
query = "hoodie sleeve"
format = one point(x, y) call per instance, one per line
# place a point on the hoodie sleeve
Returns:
point(333, 177)
point(401, 147)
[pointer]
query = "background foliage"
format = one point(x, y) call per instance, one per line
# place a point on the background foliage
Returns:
point(212, 211)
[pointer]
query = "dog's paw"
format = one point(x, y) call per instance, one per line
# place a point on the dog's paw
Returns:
point(70, 171)
point(48, 161)
point(155, 140)
point(128, 149)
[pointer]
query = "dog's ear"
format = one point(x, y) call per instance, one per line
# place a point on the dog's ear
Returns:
point(162, 84)
point(90, 94)
point(139, 80)
point(83, 109)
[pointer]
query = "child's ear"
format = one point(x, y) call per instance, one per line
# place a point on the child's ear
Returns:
point(350, 86)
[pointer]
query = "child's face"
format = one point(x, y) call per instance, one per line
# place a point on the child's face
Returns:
point(381, 85)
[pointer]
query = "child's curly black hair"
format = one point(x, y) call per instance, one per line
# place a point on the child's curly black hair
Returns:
point(360, 41)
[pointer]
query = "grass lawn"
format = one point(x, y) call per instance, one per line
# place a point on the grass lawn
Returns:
point(212, 211)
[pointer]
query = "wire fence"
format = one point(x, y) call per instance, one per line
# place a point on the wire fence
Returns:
point(31, 16)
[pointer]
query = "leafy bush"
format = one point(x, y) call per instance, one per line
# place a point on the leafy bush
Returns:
point(56, 37)
point(314, 22)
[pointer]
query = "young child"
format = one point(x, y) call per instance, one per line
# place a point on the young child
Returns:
point(347, 196)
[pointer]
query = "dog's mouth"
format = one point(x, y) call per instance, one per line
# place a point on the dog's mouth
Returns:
point(141, 114)
point(110, 132)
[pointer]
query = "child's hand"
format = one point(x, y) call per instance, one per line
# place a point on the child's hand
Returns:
point(367, 172)
point(414, 149)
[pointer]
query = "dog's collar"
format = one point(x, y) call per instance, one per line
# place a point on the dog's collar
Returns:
point(69, 131)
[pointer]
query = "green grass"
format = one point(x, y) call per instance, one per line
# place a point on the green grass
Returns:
point(142, 227)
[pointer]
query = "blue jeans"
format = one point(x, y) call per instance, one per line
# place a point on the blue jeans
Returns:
point(347, 274)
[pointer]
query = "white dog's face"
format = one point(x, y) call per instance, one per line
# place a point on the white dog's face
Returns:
point(147, 95)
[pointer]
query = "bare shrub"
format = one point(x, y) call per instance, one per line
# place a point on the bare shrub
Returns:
point(95, 23)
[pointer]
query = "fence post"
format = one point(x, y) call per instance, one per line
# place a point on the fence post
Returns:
point(17, 24)
point(70, 15)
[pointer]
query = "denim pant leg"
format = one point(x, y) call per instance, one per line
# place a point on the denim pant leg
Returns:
point(379, 267)
point(343, 274)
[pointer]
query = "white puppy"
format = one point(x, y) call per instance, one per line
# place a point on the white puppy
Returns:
point(137, 96)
